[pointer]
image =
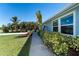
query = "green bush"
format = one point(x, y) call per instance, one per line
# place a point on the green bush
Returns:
point(55, 42)
point(58, 43)
point(5, 29)
point(75, 43)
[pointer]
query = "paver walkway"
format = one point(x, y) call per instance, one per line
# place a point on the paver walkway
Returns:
point(38, 48)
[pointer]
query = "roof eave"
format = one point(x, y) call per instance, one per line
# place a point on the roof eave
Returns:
point(71, 7)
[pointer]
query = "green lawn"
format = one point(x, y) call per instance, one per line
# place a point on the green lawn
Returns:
point(11, 45)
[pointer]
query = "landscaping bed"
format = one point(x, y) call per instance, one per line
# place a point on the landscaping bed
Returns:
point(60, 44)
point(11, 45)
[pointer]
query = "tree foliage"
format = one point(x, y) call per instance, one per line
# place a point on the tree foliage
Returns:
point(39, 19)
point(5, 28)
point(17, 26)
point(15, 22)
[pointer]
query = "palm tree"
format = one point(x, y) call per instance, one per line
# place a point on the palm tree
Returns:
point(22, 26)
point(39, 19)
point(15, 22)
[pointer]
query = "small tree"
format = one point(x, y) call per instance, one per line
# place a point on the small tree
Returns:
point(39, 19)
point(22, 26)
point(15, 22)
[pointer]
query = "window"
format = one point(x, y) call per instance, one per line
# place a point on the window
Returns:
point(55, 26)
point(55, 23)
point(55, 29)
point(67, 20)
point(67, 24)
point(67, 29)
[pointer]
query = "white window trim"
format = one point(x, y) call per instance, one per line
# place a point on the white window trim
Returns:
point(67, 34)
point(74, 23)
point(55, 26)
point(66, 14)
point(59, 25)
point(67, 25)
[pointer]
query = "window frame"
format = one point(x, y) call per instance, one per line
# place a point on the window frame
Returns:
point(66, 19)
point(67, 24)
point(55, 26)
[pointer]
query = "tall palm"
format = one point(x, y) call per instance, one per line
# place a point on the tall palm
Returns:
point(39, 19)
point(15, 23)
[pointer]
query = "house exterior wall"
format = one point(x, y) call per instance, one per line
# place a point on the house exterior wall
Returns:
point(77, 21)
point(75, 13)
point(49, 26)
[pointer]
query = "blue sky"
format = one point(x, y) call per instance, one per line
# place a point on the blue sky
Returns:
point(26, 11)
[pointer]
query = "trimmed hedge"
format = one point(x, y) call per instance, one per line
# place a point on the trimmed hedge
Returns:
point(59, 43)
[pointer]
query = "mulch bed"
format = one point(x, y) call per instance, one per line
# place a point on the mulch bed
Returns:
point(73, 52)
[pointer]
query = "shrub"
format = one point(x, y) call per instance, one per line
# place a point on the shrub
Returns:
point(55, 42)
point(60, 49)
point(59, 43)
point(75, 44)
point(5, 29)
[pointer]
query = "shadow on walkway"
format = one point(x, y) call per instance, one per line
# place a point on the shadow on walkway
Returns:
point(25, 49)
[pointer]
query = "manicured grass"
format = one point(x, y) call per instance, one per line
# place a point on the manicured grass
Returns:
point(25, 48)
point(11, 45)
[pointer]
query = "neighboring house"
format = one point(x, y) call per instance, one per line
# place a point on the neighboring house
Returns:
point(67, 21)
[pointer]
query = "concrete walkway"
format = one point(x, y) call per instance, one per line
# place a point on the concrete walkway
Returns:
point(38, 48)
point(13, 33)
